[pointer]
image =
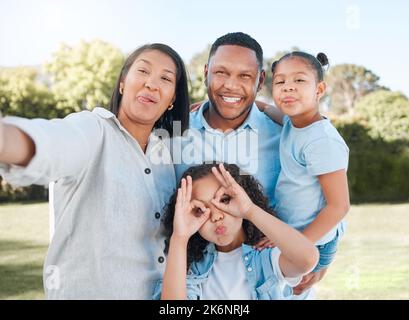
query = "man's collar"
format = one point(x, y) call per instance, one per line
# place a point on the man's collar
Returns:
point(251, 120)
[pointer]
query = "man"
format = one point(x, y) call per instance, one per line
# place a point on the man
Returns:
point(230, 127)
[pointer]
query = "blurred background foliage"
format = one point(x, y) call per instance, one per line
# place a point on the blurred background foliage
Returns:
point(373, 120)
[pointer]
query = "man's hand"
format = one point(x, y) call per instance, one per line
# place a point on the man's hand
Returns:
point(195, 106)
point(261, 105)
point(308, 281)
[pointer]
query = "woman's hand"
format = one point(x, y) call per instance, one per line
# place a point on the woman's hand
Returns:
point(189, 215)
point(231, 197)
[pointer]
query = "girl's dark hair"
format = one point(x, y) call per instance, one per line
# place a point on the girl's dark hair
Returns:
point(317, 63)
point(197, 244)
point(180, 111)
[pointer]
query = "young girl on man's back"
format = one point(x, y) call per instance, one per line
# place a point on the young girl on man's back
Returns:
point(312, 189)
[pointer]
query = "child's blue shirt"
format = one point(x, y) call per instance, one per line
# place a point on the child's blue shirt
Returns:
point(265, 281)
point(306, 153)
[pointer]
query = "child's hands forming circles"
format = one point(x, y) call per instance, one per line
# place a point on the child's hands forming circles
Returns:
point(189, 215)
point(231, 197)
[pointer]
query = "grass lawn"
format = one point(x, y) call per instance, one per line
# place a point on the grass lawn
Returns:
point(372, 261)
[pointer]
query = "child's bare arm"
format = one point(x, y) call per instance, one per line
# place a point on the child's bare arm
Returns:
point(174, 279)
point(335, 188)
point(298, 254)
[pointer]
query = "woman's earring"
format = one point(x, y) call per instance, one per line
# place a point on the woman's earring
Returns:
point(171, 107)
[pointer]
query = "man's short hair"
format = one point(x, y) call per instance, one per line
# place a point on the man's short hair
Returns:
point(239, 39)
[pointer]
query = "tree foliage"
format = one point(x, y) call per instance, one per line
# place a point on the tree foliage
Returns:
point(346, 83)
point(387, 114)
point(197, 87)
point(84, 75)
point(23, 93)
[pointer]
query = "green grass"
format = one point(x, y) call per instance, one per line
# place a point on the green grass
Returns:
point(23, 245)
point(372, 260)
point(373, 257)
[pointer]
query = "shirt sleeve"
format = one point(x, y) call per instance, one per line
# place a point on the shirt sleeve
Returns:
point(193, 291)
point(63, 147)
point(326, 155)
point(275, 256)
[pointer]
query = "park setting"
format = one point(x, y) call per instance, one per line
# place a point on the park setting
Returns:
point(366, 100)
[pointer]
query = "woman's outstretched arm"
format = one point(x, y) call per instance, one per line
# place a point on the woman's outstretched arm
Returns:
point(16, 147)
point(38, 151)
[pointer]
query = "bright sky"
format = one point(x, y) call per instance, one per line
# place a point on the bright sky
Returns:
point(370, 33)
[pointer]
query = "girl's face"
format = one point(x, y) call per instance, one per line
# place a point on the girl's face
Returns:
point(222, 229)
point(295, 89)
point(148, 88)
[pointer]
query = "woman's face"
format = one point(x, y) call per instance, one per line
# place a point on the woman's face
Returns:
point(222, 229)
point(148, 88)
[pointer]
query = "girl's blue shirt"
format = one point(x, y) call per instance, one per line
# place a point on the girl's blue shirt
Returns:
point(265, 282)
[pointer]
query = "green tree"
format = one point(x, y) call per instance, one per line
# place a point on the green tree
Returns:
point(84, 76)
point(23, 93)
point(346, 83)
point(387, 114)
point(197, 87)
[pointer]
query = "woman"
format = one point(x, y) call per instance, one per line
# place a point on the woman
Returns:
point(109, 194)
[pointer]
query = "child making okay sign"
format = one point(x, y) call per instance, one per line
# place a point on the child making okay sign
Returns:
point(212, 224)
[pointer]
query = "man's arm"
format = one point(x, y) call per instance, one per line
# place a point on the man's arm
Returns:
point(271, 111)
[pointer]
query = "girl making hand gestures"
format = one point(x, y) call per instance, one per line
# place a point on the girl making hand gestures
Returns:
point(211, 225)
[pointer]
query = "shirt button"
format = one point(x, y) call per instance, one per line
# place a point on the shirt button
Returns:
point(157, 215)
point(249, 269)
point(161, 259)
point(246, 258)
point(147, 171)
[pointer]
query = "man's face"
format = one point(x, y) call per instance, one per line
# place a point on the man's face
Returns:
point(233, 79)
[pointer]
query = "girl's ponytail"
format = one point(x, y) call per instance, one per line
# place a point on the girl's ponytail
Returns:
point(323, 59)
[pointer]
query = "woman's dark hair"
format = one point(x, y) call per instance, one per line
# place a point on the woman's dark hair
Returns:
point(180, 111)
point(316, 63)
point(197, 244)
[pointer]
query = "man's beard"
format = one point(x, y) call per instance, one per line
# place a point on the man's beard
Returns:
point(216, 109)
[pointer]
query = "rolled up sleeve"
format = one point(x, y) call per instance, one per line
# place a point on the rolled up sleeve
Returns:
point(63, 147)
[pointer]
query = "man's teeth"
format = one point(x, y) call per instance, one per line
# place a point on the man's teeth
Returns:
point(231, 100)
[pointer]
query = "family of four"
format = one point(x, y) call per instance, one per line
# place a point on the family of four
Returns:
point(243, 202)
